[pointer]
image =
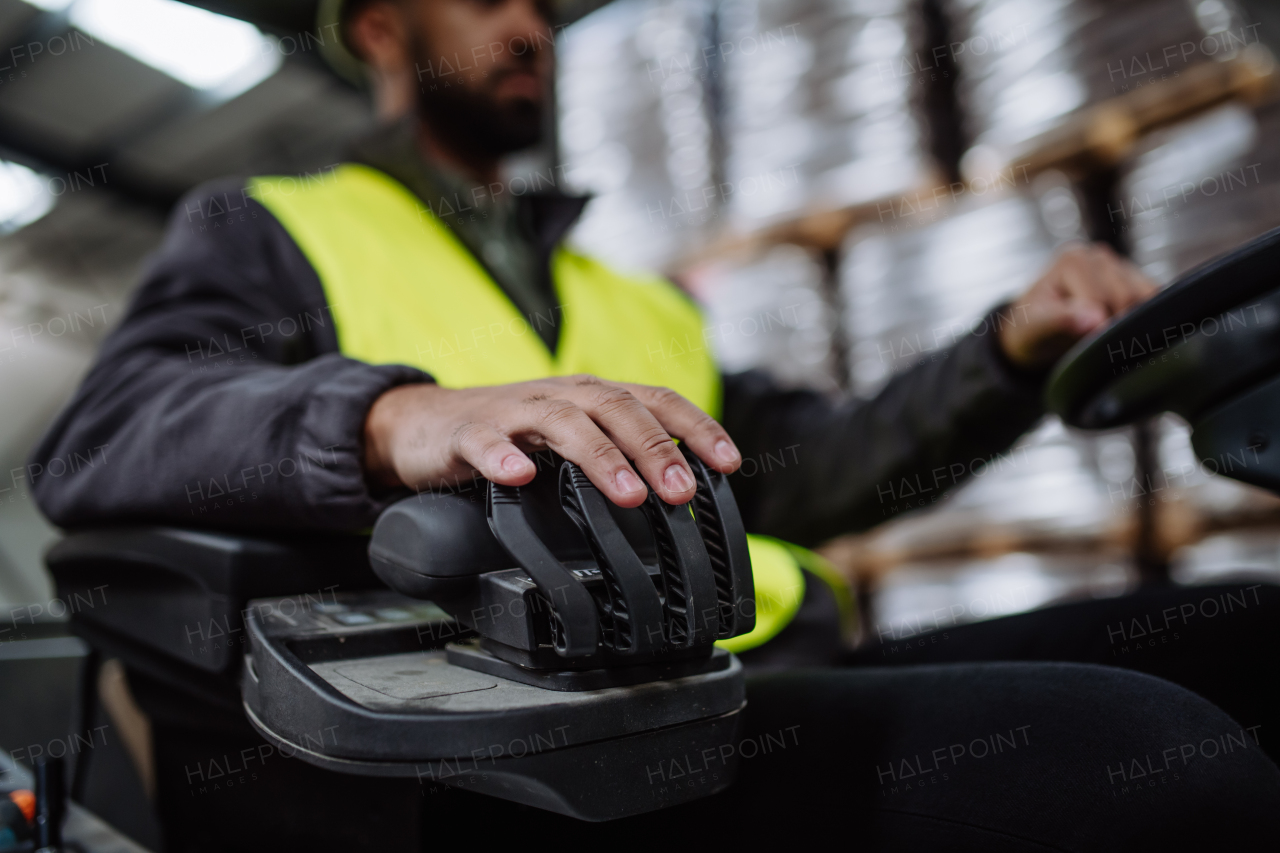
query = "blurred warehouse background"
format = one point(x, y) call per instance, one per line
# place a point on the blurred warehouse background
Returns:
point(848, 185)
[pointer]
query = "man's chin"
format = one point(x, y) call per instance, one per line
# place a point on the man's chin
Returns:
point(520, 140)
point(471, 123)
point(517, 125)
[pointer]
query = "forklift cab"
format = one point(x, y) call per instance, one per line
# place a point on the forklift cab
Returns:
point(564, 642)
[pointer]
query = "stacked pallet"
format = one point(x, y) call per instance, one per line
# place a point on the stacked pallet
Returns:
point(819, 109)
point(635, 129)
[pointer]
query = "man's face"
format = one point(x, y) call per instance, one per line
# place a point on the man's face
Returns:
point(483, 69)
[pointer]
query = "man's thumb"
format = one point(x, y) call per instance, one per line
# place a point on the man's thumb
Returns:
point(1066, 317)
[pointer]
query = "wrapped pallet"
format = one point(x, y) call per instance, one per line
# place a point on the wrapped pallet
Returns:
point(819, 105)
point(1025, 65)
point(635, 130)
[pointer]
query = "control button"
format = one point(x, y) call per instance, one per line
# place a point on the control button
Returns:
point(393, 614)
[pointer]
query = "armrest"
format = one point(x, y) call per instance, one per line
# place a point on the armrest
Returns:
point(182, 593)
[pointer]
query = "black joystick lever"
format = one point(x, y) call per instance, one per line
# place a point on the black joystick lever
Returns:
point(631, 615)
point(720, 523)
point(688, 587)
point(555, 578)
point(573, 609)
point(699, 591)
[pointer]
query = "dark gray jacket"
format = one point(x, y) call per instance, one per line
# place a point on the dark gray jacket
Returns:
point(222, 400)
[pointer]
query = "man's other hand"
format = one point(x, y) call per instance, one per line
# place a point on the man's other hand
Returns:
point(1085, 287)
point(424, 436)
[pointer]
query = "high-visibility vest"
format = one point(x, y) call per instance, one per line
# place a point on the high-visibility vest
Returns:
point(402, 289)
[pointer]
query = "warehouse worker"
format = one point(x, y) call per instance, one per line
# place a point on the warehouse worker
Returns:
point(303, 352)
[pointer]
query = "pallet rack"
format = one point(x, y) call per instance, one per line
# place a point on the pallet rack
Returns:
point(1086, 148)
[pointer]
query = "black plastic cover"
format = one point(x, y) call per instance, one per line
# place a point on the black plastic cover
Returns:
point(377, 695)
point(1241, 438)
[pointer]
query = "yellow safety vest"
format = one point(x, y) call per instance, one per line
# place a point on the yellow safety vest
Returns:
point(402, 289)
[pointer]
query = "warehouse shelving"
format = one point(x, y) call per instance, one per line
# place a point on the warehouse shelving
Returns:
point(1093, 138)
point(1085, 147)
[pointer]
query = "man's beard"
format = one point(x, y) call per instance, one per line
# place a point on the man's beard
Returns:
point(471, 120)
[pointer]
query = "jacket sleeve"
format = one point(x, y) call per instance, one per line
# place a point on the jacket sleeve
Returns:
point(813, 469)
point(221, 398)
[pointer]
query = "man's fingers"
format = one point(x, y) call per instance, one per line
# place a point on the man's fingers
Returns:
point(682, 419)
point(1124, 283)
point(1066, 317)
point(633, 427)
point(1096, 274)
point(600, 426)
point(1109, 281)
point(1140, 287)
point(1086, 286)
point(1087, 277)
point(492, 454)
point(568, 430)
point(424, 436)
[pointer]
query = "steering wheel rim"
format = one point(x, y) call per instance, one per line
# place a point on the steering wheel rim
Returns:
point(1200, 340)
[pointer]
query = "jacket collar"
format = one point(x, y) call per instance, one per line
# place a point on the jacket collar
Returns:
point(392, 149)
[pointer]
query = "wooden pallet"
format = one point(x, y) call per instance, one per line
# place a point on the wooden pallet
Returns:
point(1180, 521)
point(1105, 133)
point(1099, 136)
point(820, 230)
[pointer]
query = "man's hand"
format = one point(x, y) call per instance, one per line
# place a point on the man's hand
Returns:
point(1086, 286)
point(424, 436)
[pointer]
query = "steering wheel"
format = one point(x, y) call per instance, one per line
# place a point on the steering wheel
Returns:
point(1201, 341)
